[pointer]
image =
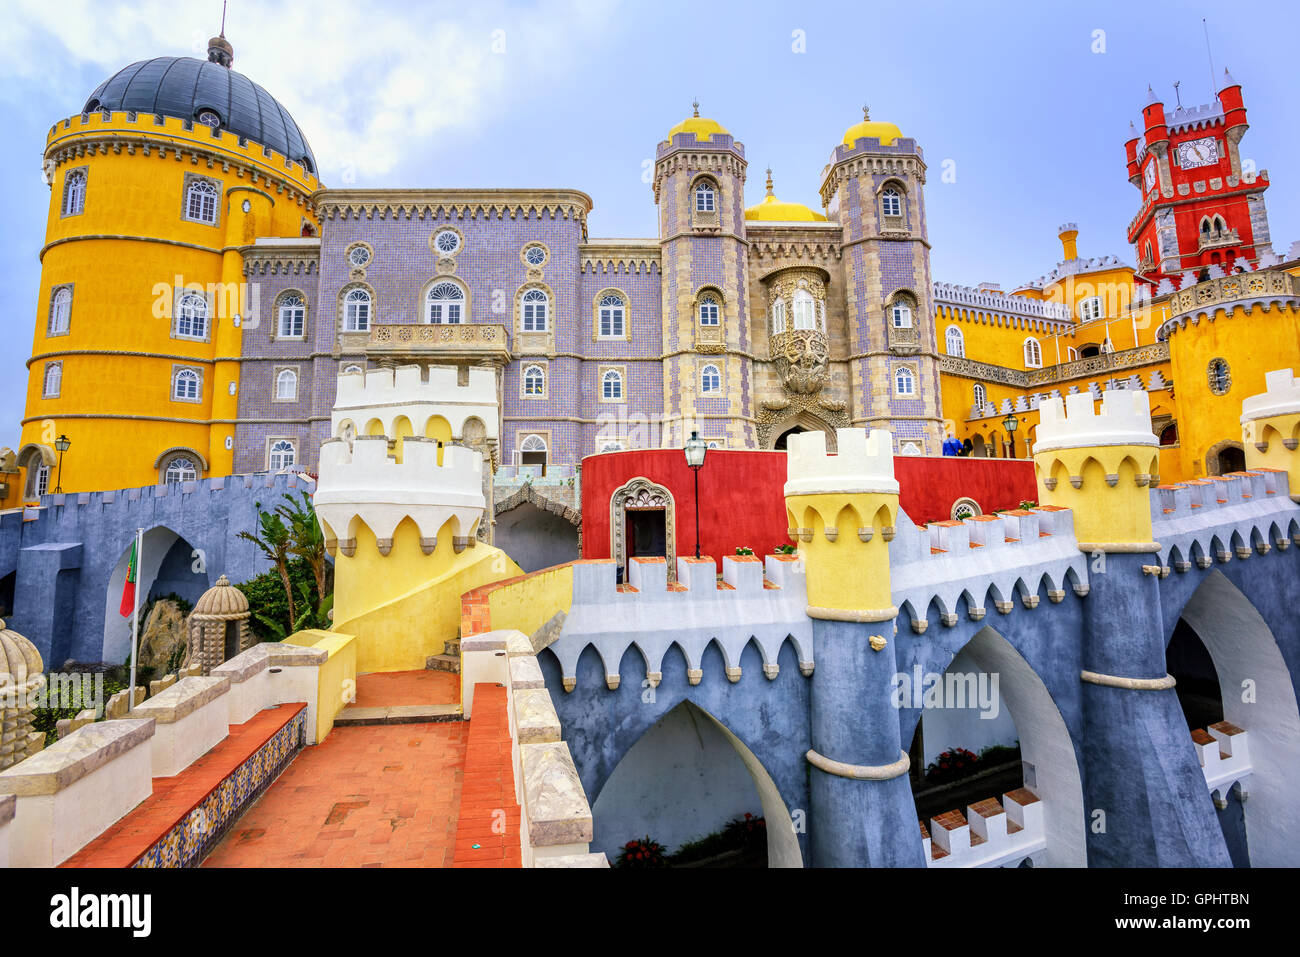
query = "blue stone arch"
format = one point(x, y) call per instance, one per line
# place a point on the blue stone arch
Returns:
point(766, 721)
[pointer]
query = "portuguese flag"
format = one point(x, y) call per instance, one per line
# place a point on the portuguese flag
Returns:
point(128, 590)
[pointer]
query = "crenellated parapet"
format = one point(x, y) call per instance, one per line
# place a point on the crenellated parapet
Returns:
point(757, 600)
point(842, 509)
point(1270, 427)
point(378, 400)
point(1224, 518)
point(1099, 463)
point(361, 483)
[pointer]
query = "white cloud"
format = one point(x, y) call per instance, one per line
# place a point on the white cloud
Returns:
point(370, 84)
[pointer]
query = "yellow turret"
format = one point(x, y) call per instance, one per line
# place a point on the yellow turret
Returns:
point(842, 509)
point(1100, 465)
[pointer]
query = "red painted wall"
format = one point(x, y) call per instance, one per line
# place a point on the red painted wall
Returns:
point(742, 500)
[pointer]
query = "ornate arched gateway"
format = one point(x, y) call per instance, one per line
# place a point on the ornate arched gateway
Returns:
point(642, 495)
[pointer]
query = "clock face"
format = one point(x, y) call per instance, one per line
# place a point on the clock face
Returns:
point(1202, 152)
point(1151, 174)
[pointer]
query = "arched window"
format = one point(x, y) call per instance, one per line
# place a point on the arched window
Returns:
point(52, 381)
point(353, 368)
point(804, 309)
point(534, 381)
point(201, 201)
point(904, 381)
point(74, 193)
point(181, 469)
point(281, 455)
point(60, 312)
point(286, 385)
point(185, 385)
point(42, 483)
point(708, 310)
point(611, 385)
point(532, 451)
point(981, 396)
point(445, 303)
point(901, 314)
point(954, 341)
point(1033, 354)
point(1090, 308)
point(891, 202)
point(533, 309)
point(356, 311)
point(705, 198)
point(778, 315)
point(710, 380)
point(611, 318)
point(612, 447)
point(192, 316)
point(1219, 376)
point(293, 316)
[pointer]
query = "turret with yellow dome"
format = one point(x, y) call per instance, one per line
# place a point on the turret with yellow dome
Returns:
point(169, 168)
point(870, 129)
point(773, 210)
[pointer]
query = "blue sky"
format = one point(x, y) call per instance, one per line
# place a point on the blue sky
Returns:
point(576, 94)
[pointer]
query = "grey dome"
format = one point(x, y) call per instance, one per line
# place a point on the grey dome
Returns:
point(183, 87)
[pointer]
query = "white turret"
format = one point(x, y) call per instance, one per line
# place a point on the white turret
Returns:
point(1124, 419)
point(865, 463)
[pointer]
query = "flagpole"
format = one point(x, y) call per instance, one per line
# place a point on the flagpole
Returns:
point(135, 618)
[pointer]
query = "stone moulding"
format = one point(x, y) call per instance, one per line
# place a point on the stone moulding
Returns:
point(860, 772)
point(1129, 684)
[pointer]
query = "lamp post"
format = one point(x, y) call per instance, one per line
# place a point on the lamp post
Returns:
point(1011, 423)
point(61, 443)
point(695, 449)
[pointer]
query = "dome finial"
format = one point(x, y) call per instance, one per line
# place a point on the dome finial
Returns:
point(769, 181)
point(219, 49)
point(695, 105)
point(866, 113)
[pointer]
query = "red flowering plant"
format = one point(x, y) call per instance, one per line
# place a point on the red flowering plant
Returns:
point(951, 765)
point(744, 550)
point(641, 853)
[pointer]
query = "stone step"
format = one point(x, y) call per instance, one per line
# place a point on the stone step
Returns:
point(452, 647)
point(398, 714)
point(443, 662)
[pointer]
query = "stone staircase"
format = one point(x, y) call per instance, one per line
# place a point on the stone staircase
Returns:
point(449, 660)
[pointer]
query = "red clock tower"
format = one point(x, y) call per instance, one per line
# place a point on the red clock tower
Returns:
point(1202, 204)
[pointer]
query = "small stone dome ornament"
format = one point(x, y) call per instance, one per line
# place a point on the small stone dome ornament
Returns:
point(22, 683)
point(218, 627)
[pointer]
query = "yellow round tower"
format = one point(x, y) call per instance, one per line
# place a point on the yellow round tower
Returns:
point(172, 165)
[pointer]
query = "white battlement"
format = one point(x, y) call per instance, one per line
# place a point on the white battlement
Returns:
point(1124, 419)
point(1281, 397)
point(391, 394)
point(864, 463)
point(362, 480)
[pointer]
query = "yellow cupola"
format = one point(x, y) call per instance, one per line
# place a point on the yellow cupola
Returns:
point(870, 129)
point(772, 210)
point(701, 126)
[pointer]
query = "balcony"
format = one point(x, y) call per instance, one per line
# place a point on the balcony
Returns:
point(473, 341)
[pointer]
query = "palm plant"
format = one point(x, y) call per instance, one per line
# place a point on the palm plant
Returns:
point(275, 541)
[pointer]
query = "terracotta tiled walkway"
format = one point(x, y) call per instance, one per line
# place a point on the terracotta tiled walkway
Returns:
point(376, 796)
point(383, 689)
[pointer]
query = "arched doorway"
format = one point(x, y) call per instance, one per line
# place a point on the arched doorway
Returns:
point(989, 671)
point(1224, 457)
point(782, 440)
point(643, 522)
point(686, 778)
point(1255, 695)
point(169, 565)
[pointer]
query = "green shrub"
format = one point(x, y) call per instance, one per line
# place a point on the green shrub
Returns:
point(270, 608)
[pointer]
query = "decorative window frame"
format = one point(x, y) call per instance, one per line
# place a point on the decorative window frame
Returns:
point(641, 494)
point(890, 223)
point(532, 343)
point(706, 219)
point(276, 372)
point(1036, 361)
point(181, 294)
point(165, 460)
point(276, 335)
point(709, 338)
point(903, 340)
point(50, 331)
point(64, 213)
point(546, 381)
point(270, 442)
point(544, 434)
point(960, 339)
point(965, 507)
point(913, 376)
point(421, 304)
point(342, 315)
point(177, 369)
point(601, 372)
point(433, 242)
point(190, 180)
point(353, 268)
point(1211, 380)
point(534, 243)
point(596, 335)
point(700, 366)
point(603, 445)
point(352, 367)
point(57, 364)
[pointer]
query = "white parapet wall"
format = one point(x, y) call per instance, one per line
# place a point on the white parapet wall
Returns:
point(192, 718)
point(1281, 397)
point(391, 394)
point(862, 463)
point(1124, 419)
point(70, 792)
point(991, 833)
point(293, 675)
point(249, 676)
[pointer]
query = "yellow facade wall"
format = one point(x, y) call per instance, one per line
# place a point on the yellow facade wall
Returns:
point(527, 604)
point(336, 680)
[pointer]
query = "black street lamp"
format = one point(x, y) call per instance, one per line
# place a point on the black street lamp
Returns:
point(61, 443)
point(1011, 423)
point(695, 449)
